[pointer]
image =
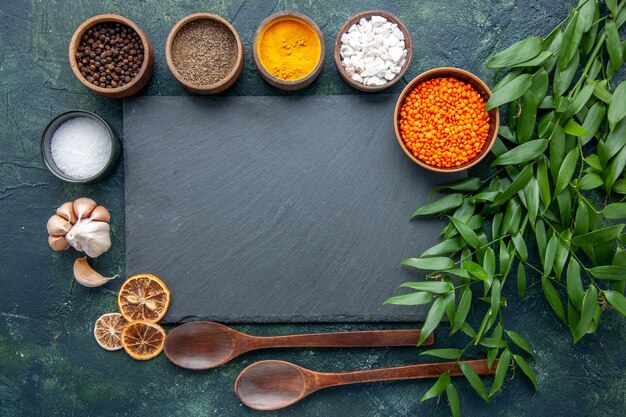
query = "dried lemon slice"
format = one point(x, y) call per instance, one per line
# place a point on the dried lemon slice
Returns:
point(143, 297)
point(143, 340)
point(108, 329)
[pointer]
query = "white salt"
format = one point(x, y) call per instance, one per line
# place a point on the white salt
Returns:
point(81, 147)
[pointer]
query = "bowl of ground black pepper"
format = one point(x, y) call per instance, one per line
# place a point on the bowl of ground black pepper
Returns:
point(204, 53)
point(111, 56)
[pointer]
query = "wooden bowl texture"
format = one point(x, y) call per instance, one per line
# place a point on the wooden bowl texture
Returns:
point(368, 15)
point(219, 86)
point(145, 73)
point(479, 86)
point(275, 81)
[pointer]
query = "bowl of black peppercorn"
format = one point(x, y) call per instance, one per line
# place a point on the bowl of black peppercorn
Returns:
point(111, 56)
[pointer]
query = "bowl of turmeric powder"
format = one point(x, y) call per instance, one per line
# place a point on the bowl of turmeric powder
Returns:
point(288, 50)
point(441, 123)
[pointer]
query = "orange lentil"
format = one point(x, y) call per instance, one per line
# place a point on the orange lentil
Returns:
point(443, 122)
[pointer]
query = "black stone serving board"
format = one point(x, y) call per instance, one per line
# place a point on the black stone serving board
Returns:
point(273, 209)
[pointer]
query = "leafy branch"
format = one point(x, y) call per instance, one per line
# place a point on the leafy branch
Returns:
point(563, 148)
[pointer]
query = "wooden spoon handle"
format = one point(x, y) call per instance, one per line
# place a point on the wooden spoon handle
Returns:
point(424, 370)
point(369, 338)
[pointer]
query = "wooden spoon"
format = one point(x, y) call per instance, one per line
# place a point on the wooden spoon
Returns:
point(270, 385)
point(205, 344)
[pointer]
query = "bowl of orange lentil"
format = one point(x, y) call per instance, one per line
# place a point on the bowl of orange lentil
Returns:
point(440, 120)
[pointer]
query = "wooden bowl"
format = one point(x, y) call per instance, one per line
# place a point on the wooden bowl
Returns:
point(275, 81)
point(221, 85)
point(137, 83)
point(408, 44)
point(479, 86)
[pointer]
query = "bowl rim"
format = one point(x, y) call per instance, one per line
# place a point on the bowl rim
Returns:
point(437, 73)
point(182, 23)
point(307, 79)
point(108, 18)
point(368, 15)
point(51, 165)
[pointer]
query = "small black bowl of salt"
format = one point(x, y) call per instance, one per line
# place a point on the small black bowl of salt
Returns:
point(79, 147)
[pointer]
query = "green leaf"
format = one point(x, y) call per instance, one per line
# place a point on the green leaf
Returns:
point(474, 380)
point(616, 300)
point(553, 297)
point(610, 273)
point(531, 197)
point(520, 246)
point(571, 39)
point(519, 341)
point(461, 313)
point(564, 201)
point(551, 249)
point(496, 287)
point(614, 142)
point(477, 271)
point(523, 366)
point(510, 91)
point(543, 181)
point(525, 152)
point(435, 264)
point(521, 280)
point(590, 302)
point(410, 299)
point(592, 121)
point(539, 87)
point(574, 284)
point(582, 97)
point(503, 367)
point(468, 184)
point(520, 182)
point(541, 238)
point(536, 61)
point(432, 319)
point(466, 232)
point(598, 236)
point(440, 386)
point(612, 6)
point(526, 122)
point(517, 53)
point(590, 181)
point(602, 93)
point(619, 186)
point(435, 287)
point(440, 205)
point(446, 247)
point(615, 211)
point(491, 342)
point(617, 108)
point(563, 78)
point(613, 43)
point(594, 162)
point(615, 169)
point(453, 400)
point(573, 128)
point(444, 353)
point(567, 170)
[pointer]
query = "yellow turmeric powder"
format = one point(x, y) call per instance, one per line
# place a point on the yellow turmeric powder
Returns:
point(289, 49)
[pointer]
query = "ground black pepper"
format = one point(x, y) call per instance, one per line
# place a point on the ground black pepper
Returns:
point(204, 52)
point(110, 55)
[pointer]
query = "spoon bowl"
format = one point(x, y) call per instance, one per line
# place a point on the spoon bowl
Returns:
point(270, 385)
point(201, 345)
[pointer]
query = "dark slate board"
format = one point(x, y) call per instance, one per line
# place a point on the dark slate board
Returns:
point(273, 209)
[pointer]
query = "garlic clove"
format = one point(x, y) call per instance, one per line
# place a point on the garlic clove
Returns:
point(90, 236)
point(58, 243)
point(100, 214)
point(58, 226)
point(87, 276)
point(83, 207)
point(66, 210)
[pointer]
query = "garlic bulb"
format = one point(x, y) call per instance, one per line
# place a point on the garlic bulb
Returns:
point(87, 276)
point(90, 236)
point(81, 224)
